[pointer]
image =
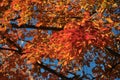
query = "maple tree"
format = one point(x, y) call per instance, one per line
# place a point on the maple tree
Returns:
point(68, 31)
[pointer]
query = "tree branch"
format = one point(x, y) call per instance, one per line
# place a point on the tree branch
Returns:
point(34, 27)
point(13, 43)
point(53, 71)
point(9, 49)
point(112, 52)
point(115, 65)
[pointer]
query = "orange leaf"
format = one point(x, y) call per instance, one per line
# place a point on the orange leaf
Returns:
point(39, 24)
point(109, 20)
point(2, 29)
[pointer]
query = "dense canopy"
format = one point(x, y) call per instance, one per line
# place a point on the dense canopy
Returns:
point(72, 32)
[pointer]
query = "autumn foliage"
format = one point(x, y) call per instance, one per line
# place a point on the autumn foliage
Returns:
point(62, 30)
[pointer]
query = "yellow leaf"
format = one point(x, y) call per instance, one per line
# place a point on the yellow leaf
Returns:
point(61, 62)
point(68, 1)
point(31, 60)
point(2, 29)
point(102, 76)
point(109, 66)
point(95, 23)
point(65, 63)
point(29, 46)
point(61, 3)
point(115, 5)
point(80, 50)
point(71, 58)
point(109, 20)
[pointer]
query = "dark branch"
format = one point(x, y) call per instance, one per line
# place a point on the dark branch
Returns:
point(11, 42)
point(113, 66)
point(34, 27)
point(9, 49)
point(76, 17)
point(113, 52)
point(14, 44)
point(53, 71)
